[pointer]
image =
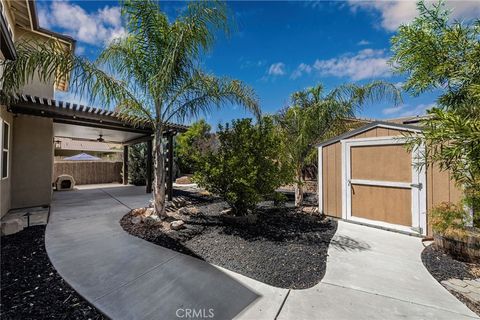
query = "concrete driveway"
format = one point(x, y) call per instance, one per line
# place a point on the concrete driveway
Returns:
point(371, 274)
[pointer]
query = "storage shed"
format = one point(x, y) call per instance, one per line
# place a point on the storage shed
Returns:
point(366, 175)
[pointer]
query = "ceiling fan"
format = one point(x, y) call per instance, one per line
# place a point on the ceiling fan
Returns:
point(100, 138)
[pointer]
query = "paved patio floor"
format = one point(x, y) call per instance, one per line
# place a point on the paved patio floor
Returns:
point(371, 274)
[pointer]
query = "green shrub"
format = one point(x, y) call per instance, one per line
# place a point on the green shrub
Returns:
point(450, 219)
point(191, 144)
point(243, 168)
point(137, 164)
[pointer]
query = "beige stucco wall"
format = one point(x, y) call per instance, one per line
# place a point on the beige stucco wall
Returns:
point(35, 87)
point(5, 184)
point(33, 165)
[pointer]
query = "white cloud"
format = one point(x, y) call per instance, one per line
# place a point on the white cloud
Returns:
point(79, 50)
point(302, 68)
point(392, 110)
point(396, 12)
point(276, 69)
point(363, 43)
point(367, 63)
point(95, 28)
point(418, 110)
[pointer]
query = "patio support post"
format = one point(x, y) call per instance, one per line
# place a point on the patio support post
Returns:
point(125, 165)
point(149, 165)
point(170, 167)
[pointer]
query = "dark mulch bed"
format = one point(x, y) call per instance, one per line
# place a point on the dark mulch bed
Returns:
point(284, 247)
point(30, 286)
point(443, 267)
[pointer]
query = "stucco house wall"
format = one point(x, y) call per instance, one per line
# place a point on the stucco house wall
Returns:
point(33, 154)
point(5, 183)
point(31, 138)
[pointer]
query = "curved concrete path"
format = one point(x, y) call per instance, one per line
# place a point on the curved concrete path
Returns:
point(371, 274)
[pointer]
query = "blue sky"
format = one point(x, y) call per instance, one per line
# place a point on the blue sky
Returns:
point(278, 47)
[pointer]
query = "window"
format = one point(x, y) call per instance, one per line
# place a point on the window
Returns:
point(5, 148)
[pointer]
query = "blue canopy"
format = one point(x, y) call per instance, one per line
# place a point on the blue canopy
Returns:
point(82, 156)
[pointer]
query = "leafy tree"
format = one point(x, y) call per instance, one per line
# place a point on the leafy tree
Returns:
point(314, 116)
point(137, 164)
point(438, 54)
point(153, 73)
point(243, 169)
point(191, 144)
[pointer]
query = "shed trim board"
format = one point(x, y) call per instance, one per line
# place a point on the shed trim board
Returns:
point(417, 198)
point(376, 124)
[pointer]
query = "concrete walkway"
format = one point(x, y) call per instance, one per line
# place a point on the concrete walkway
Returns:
point(371, 274)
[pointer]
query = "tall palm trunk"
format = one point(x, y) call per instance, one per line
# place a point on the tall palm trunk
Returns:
point(299, 188)
point(159, 184)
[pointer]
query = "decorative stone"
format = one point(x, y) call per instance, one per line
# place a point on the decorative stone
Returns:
point(474, 296)
point(177, 225)
point(473, 283)
point(138, 211)
point(459, 288)
point(179, 202)
point(136, 220)
point(458, 282)
point(226, 211)
point(11, 226)
point(151, 220)
point(188, 211)
point(149, 212)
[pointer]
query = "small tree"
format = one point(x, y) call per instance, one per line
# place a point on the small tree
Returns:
point(243, 169)
point(191, 144)
point(314, 116)
point(438, 54)
point(151, 75)
point(137, 164)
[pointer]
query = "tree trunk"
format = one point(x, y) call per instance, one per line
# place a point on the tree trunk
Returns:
point(299, 189)
point(159, 164)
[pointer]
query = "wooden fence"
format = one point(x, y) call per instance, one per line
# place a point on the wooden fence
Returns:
point(89, 172)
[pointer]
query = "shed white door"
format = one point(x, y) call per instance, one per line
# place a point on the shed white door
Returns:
point(381, 184)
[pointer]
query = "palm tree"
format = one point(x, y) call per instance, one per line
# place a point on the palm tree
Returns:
point(153, 73)
point(314, 116)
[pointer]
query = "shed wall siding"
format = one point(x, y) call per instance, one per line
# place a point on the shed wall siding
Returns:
point(440, 187)
point(332, 201)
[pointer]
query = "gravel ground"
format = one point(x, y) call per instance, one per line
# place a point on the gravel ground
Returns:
point(284, 248)
point(443, 267)
point(30, 286)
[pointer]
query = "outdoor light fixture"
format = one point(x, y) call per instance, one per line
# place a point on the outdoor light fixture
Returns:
point(100, 138)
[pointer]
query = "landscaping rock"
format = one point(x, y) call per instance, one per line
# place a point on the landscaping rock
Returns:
point(151, 220)
point(138, 211)
point(149, 212)
point(12, 226)
point(136, 220)
point(177, 225)
point(31, 288)
point(457, 276)
point(226, 211)
point(284, 247)
point(188, 210)
point(184, 180)
point(179, 202)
